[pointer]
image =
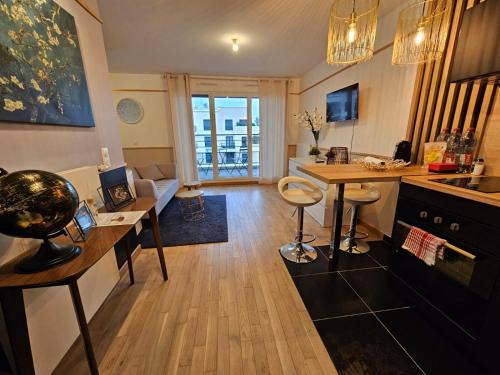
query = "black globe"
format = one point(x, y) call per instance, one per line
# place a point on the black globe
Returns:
point(35, 204)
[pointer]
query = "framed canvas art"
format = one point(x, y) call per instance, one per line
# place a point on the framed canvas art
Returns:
point(42, 78)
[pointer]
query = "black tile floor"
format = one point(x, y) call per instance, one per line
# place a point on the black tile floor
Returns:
point(368, 319)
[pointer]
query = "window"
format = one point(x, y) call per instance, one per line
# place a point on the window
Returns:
point(226, 135)
point(206, 124)
point(229, 141)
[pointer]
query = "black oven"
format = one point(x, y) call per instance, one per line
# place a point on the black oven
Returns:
point(462, 285)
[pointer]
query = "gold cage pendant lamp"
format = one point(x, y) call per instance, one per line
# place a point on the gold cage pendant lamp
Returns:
point(421, 32)
point(353, 26)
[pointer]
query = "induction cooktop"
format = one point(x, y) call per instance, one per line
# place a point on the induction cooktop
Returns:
point(483, 184)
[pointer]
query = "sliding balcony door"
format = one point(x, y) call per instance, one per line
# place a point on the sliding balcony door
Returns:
point(226, 133)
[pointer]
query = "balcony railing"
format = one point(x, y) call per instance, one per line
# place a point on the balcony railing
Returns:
point(232, 155)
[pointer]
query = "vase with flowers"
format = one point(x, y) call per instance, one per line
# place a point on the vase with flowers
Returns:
point(312, 121)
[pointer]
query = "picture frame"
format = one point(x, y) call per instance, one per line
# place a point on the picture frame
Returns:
point(43, 81)
point(119, 195)
point(105, 201)
point(83, 223)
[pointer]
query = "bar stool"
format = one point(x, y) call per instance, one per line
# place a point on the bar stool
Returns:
point(298, 251)
point(357, 197)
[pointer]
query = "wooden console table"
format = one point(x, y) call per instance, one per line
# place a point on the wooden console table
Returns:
point(99, 242)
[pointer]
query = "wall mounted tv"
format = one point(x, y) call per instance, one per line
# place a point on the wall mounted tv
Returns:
point(342, 105)
point(477, 55)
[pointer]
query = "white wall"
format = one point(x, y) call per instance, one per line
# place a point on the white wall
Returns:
point(384, 98)
point(155, 128)
point(384, 104)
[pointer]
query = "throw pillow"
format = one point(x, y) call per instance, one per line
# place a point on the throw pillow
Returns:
point(168, 170)
point(150, 172)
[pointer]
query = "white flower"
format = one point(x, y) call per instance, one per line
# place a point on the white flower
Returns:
point(71, 41)
point(15, 81)
point(35, 85)
point(27, 20)
point(311, 121)
point(57, 29)
point(53, 40)
point(4, 8)
point(13, 105)
point(43, 100)
point(17, 12)
point(12, 34)
point(42, 75)
point(4, 80)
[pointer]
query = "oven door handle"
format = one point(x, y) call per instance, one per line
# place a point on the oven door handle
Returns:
point(446, 244)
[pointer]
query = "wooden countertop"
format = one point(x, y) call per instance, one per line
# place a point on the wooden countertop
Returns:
point(348, 173)
point(428, 183)
point(99, 242)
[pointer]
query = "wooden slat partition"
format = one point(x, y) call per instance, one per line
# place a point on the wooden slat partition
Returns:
point(438, 104)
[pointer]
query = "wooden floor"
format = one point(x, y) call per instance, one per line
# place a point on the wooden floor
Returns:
point(228, 308)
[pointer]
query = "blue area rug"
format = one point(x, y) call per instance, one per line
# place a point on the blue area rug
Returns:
point(177, 232)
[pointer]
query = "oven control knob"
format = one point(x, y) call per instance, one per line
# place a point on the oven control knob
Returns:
point(438, 220)
point(455, 227)
point(423, 214)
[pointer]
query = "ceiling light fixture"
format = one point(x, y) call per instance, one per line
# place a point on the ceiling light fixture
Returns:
point(421, 32)
point(353, 25)
point(236, 46)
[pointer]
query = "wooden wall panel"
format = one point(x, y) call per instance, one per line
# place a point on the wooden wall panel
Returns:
point(438, 104)
point(141, 156)
point(490, 149)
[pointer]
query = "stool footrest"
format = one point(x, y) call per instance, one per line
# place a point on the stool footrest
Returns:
point(313, 237)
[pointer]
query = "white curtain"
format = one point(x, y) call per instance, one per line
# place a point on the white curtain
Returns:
point(179, 94)
point(273, 95)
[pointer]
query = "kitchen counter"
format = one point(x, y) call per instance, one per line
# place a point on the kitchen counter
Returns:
point(428, 183)
point(352, 173)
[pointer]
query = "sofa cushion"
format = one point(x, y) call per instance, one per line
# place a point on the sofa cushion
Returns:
point(166, 190)
point(163, 185)
point(168, 170)
point(150, 172)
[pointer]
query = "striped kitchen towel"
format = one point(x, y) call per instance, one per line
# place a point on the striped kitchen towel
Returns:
point(424, 245)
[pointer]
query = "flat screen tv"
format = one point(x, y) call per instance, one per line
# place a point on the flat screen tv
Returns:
point(342, 105)
point(477, 53)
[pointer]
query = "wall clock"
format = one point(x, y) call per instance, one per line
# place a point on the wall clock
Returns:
point(130, 111)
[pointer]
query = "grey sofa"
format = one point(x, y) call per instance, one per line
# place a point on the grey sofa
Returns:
point(158, 181)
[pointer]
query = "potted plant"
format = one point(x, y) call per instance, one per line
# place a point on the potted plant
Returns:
point(312, 121)
point(314, 152)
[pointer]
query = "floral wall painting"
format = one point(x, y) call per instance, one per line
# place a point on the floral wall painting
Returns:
point(42, 79)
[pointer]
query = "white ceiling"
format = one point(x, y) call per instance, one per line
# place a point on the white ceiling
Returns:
point(277, 37)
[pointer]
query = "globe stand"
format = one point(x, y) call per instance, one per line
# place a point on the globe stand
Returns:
point(48, 255)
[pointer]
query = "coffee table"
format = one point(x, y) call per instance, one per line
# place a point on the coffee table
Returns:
point(191, 204)
point(192, 184)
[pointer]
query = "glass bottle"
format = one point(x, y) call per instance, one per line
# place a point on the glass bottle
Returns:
point(467, 148)
point(453, 146)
